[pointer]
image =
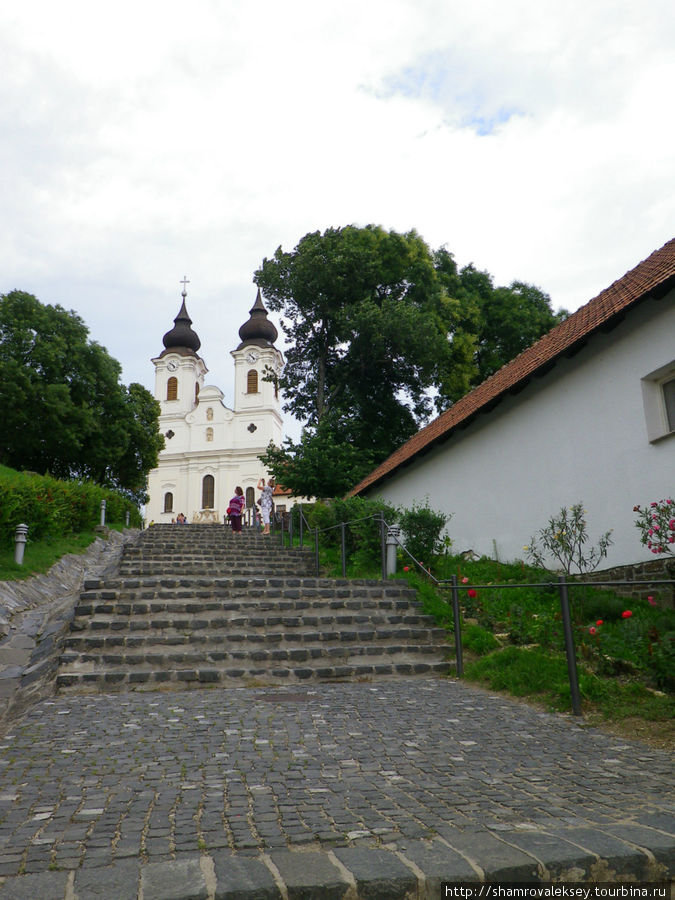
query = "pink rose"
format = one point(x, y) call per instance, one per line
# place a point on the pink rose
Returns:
point(472, 592)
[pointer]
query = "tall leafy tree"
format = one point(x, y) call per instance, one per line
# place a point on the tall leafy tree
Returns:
point(362, 311)
point(64, 409)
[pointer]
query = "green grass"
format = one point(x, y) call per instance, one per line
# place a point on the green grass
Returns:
point(538, 674)
point(40, 556)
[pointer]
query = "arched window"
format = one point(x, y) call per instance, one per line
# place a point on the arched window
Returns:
point(209, 434)
point(250, 498)
point(196, 391)
point(168, 502)
point(252, 382)
point(207, 492)
point(209, 414)
point(172, 388)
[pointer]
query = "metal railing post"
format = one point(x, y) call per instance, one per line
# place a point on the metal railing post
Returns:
point(316, 549)
point(102, 521)
point(383, 547)
point(569, 646)
point(456, 616)
point(290, 530)
point(301, 526)
point(343, 552)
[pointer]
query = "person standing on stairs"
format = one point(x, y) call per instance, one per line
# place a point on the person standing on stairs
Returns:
point(266, 502)
point(235, 509)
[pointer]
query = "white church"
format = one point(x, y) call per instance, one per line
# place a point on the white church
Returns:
point(210, 448)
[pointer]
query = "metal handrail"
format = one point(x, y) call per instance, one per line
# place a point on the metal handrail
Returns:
point(562, 585)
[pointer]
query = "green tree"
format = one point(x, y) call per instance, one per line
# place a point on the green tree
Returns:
point(323, 464)
point(64, 409)
point(362, 310)
point(512, 318)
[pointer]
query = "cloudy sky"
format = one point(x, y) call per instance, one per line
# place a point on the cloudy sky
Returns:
point(144, 141)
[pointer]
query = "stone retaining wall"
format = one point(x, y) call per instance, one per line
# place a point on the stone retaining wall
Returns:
point(35, 616)
point(661, 568)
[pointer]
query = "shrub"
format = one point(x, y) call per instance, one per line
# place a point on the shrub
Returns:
point(54, 508)
point(422, 527)
point(656, 524)
point(564, 538)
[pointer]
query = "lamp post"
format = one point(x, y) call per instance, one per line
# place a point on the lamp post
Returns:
point(393, 533)
point(20, 539)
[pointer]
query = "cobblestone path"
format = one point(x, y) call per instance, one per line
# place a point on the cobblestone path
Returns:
point(89, 780)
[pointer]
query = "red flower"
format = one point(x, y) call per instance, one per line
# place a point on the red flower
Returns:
point(406, 568)
point(626, 614)
point(599, 622)
point(592, 630)
point(472, 592)
point(651, 601)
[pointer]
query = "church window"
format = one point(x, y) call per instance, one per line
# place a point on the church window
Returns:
point(209, 434)
point(168, 502)
point(208, 492)
point(172, 388)
point(250, 498)
point(209, 414)
point(252, 382)
point(196, 392)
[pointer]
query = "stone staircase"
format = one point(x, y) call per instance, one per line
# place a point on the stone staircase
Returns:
point(193, 605)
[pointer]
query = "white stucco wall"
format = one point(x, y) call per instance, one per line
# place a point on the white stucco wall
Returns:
point(577, 434)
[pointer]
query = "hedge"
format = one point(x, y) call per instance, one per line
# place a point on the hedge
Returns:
point(52, 508)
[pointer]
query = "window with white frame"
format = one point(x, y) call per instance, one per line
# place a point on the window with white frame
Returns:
point(658, 395)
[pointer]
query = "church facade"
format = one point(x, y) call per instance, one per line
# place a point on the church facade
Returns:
point(210, 448)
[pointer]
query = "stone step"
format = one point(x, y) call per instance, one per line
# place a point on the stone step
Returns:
point(176, 655)
point(113, 632)
point(352, 586)
point(323, 608)
point(241, 675)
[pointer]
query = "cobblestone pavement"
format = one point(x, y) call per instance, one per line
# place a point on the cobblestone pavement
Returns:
point(161, 783)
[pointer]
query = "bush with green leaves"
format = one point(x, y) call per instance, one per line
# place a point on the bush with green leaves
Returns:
point(564, 538)
point(422, 527)
point(361, 517)
point(656, 524)
point(51, 507)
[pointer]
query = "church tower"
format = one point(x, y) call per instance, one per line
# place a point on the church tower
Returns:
point(211, 448)
point(179, 371)
point(257, 366)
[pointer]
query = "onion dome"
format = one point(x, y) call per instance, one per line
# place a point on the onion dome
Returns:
point(181, 336)
point(258, 330)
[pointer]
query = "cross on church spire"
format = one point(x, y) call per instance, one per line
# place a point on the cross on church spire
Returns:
point(184, 282)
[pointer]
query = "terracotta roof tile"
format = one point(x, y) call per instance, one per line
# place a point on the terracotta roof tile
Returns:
point(656, 273)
